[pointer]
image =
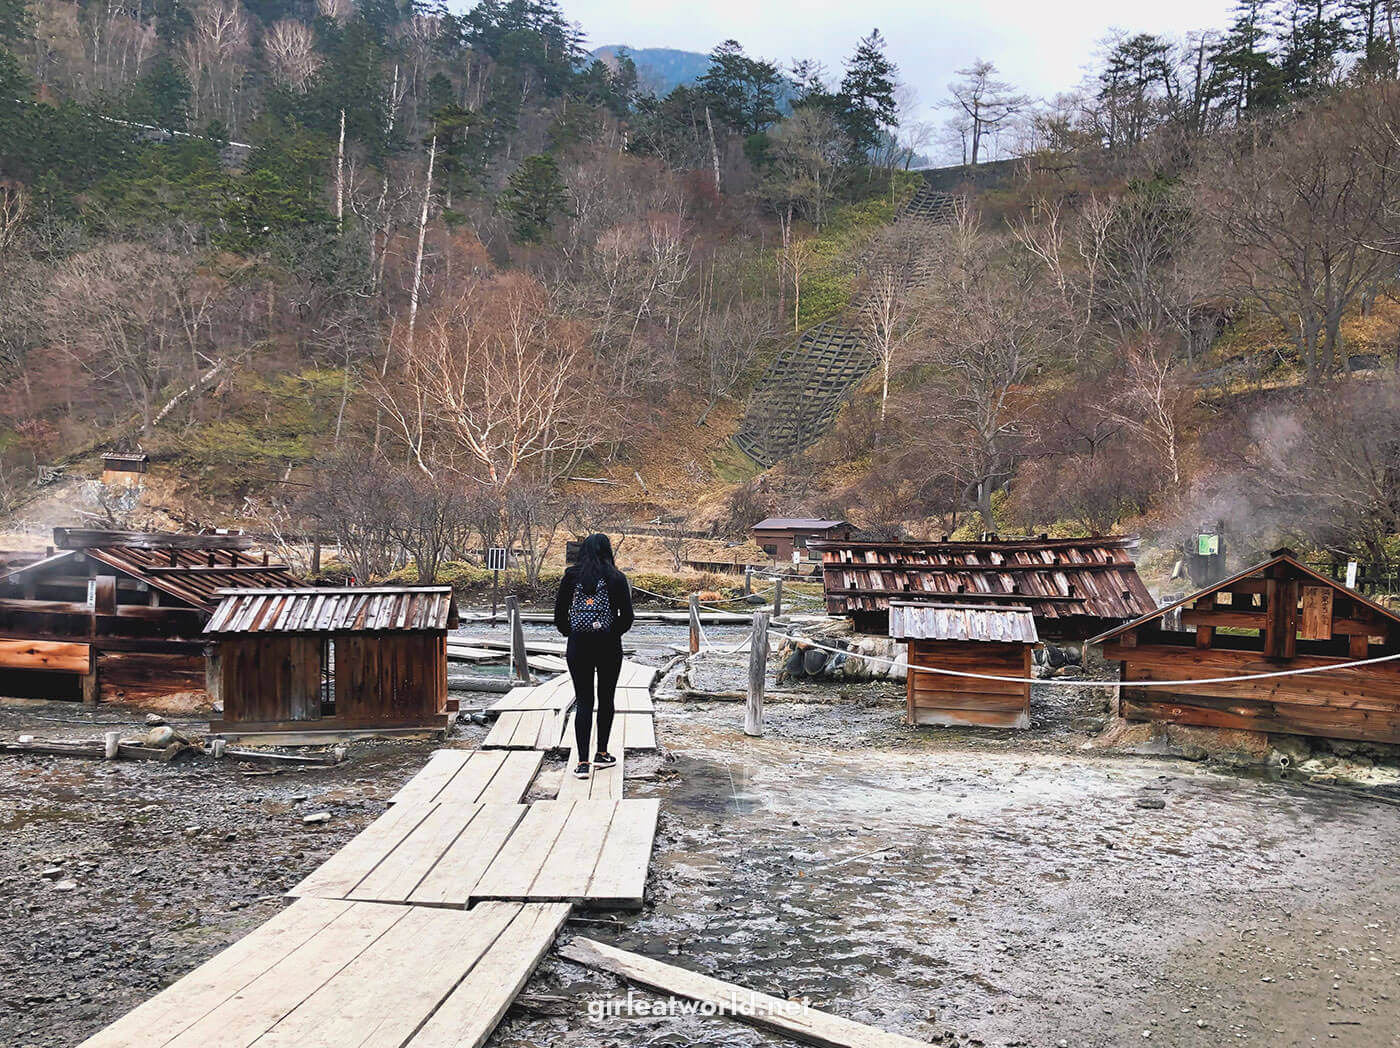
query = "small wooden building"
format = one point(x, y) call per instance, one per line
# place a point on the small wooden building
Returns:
point(345, 659)
point(779, 537)
point(1075, 588)
point(991, 639)
point(118, 614)
point(1278, 615)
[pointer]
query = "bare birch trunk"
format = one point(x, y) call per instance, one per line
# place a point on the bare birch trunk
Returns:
point(422, 236)
point(340, 178)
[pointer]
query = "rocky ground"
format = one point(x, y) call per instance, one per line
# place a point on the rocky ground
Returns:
point(979, 887)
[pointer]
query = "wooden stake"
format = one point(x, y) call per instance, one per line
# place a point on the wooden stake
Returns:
point(694, 623)
point(748, 579)
point(777, 598)
point(519, 666)
point(758, 669)
point(110, 741)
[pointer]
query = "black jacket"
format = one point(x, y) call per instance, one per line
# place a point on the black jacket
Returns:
point(619, 596)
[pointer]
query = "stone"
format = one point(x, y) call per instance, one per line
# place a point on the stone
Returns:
point(317, 818)
point(53, 873)
point(66, 886)
point(161, 736)
point(153, 719)
point(1151, 802)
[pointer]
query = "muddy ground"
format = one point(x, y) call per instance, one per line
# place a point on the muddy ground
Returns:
point(1002, 888)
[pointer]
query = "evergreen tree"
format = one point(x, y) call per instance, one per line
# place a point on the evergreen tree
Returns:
point(1313, 38)
point(534, 194)
point(161, 97)
point(742, 92)
point(867, 95)
point(1243, 62)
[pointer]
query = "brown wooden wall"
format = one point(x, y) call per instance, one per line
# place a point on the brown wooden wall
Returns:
point(933, 698)
point(1361, 703)
point(262, 677)
point(138, 676)
point(389, 678)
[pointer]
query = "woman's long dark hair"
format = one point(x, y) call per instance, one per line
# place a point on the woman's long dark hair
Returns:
point(595, 561)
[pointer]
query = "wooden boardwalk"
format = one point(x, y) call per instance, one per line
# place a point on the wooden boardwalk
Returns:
point(326, 973)
point(420, 932)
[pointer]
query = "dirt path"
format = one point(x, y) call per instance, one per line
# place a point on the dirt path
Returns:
point(1012, 894)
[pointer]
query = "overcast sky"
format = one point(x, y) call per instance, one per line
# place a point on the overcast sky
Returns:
point(1042, 47)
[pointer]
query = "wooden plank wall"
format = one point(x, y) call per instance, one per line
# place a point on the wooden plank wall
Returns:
point(939, 699)
point(390, 676)
point(269, 677)
point(1361, 703)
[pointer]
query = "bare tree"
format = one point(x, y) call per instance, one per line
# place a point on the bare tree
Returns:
point(985, 102)
point(731, 339)
point(888, 297)
point(215, 57)
point(498, 384)
point(1300, 207)
point(290, 47)
point(1152, 401)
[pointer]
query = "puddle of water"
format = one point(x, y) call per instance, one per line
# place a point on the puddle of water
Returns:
point(714, 788)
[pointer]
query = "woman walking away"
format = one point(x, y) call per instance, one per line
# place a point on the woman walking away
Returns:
point(594, 610)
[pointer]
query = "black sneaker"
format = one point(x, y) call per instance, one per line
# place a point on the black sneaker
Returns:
point(581, 772)
point(604, 759)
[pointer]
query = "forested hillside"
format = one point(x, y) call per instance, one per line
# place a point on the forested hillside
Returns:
point(400, 275)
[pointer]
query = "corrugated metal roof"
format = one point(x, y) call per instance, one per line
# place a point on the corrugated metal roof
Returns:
point(339, 610)
point(1000, 625)
point(803, 523)
point(1055, 578)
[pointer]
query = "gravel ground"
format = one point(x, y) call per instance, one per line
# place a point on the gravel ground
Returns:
point(997, 887)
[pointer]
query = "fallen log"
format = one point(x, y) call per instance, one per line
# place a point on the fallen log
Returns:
point(794, 1018)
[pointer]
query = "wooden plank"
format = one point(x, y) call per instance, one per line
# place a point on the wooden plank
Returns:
point(527, 731)
point(510, 782)
point(59, 656)
point(502, 731)
point(473, 778)
point(442, 766)
point(467, 1017)
point(256, 1006)
point(761, 1010)
point(456, 872)
point(381, 997)
point(339, 874)
point(1317, 613)
point(619, 879)
point(520, 860)
point(568, 869)
point(1285, 718)
point(184, 1002)
point(399, 872)
point(631, 731)
point(973, 718)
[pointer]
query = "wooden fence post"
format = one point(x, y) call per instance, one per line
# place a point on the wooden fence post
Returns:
point(694, 623)
point(758, 669)
point(778, 598)
point(519, 661)
point(748, 579)
point(110, 744)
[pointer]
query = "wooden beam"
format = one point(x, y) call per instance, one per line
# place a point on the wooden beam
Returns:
point(88, 538)
point(44, 655)
point(217, 569)
point(792, 1018)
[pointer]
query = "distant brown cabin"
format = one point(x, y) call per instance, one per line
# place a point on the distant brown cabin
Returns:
point(779, 537)
point(321, 659)
point(1277, 615)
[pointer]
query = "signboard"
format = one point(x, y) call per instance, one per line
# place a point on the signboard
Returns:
point(1351, 574)
point(496, 558)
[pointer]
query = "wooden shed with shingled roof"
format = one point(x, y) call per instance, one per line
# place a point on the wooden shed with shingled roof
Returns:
point(1276, 616)
point(346, 659)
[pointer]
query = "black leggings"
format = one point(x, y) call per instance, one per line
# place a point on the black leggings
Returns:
point(586, 656)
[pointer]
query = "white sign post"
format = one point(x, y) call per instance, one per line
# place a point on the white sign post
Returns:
point(496, 559)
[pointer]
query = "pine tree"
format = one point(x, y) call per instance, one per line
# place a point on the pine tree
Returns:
point(534, 194)
point(742, 91)
point(1313, 38)
point(1243, 61)
point(867, 94)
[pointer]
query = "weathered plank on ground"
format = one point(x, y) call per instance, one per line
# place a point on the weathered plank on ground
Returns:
point(760, 1009)
point(467, 777)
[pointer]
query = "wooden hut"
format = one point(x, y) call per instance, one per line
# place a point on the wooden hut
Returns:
point(346, 660)
point(1277, 615)
point(989, 639)
point(118, 614)
point(1074, 587)
point(781, 537)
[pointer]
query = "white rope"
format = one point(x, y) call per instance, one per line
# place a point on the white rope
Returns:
point(686, 601)
point(1097, 683)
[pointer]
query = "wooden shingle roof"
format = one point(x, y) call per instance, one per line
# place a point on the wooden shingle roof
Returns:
point(339, 610)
